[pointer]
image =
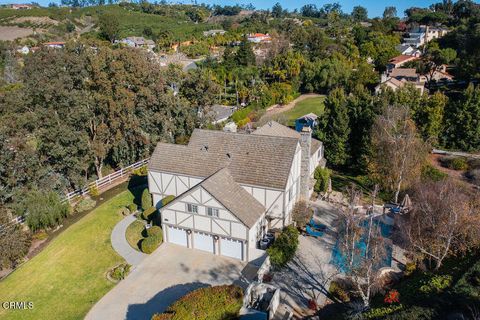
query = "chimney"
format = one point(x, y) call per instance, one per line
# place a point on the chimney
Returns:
point(305, 144)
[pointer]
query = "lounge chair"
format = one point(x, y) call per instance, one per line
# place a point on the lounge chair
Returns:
point(318, 226)
point(313, 232)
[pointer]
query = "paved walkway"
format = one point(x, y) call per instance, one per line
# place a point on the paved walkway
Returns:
point(120, 244)
point(163, 277)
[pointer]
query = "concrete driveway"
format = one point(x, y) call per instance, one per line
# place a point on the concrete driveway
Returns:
point(163, 277)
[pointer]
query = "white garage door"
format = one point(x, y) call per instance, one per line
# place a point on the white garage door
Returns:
point(177, 236)
point(203, 241)
point(231, 248)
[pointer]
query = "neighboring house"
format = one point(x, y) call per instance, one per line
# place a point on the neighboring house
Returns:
point(399, 61)
point(22, 6)
point(259, 37)
point(396, 84)
point(54, 44)
point(409, 74)
point(221, 113)
point(138, 42)
point(231, 188)
point(424, 34)
point(308, 120)
point(212, 33)
point(408, 50)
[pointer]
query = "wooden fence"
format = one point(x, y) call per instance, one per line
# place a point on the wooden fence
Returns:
point(102, 183)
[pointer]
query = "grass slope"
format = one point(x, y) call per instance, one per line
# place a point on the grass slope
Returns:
point(314, 105)
point(66, 279)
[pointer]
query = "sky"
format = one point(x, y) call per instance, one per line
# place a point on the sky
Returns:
point(375, 7)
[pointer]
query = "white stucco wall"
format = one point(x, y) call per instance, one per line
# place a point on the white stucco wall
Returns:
point(163, 184)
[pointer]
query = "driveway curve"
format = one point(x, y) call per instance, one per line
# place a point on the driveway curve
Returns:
point(121, 245)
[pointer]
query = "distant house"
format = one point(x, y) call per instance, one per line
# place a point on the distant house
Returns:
point(399, 61)
point(308, 120)
point(409, 74)
point(21, 6)
point(138, 42)
point(424, 34)
point(408, 50)
point(212, 33)
point(399, 77)
point(259, 37)
point(396, 84)
point(54, 44)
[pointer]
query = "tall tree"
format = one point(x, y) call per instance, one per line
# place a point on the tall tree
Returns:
point(398, 152)
point(389, 12)
point(109, 26)
point(335, 127)
point(359, 14)
point(445, 221)
point(245, 55)
point(14, 242)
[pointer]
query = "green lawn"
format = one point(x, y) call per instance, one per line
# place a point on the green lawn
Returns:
point(66, 279)
point(313, 105)
point(134, 234)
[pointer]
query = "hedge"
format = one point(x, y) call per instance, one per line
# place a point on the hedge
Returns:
point(146, 199)
point(85, 204)
point(149, 244)
point(154, 231)
point(322, 176)
point(149, 214)
point(167, 200)
point(284, 248)
point(210, 303)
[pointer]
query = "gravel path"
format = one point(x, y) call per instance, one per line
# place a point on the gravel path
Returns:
point(120, 244)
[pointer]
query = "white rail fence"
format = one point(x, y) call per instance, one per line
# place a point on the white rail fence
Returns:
point(105, 181)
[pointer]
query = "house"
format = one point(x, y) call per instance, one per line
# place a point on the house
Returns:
point(21, 6)
point(409, 74)
point(396, 84)
point(54, 44)
point(399, 61)
point(138, 42)
point(408, 50)
point(212, 33)
point(231, 188)
point(259, 37)
point(308, 120)
point(424, 34)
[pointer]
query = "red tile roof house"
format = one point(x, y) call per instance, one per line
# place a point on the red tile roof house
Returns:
point(259, 37)
point(230, 188)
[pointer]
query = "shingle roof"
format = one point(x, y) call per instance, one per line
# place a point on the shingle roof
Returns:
point(403, 72)
point(251, 159)
point(222, 186)
point(316, 144)
point(273, 128)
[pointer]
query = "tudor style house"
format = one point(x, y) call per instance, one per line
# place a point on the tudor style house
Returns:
point(231, 188)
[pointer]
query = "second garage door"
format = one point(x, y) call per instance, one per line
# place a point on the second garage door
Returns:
point(231, 248)
point(203, 241)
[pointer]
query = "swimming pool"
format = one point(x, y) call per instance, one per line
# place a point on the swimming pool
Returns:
point(339, 259)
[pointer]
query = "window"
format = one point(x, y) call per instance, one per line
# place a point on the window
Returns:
point(192, 208)
point(212, 212)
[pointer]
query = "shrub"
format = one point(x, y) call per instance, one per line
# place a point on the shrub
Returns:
point(212, 303)
point(124, 211)
point(43, 209)
point(436, 284)
point(474, 176)
point(142, 171)
point(132, 207)
point(431, 173)
point(149, 244)
point(322, 176)
point(337, 290)
point(146, 199)
point(93, 190)
point(154, 231)
point(380, 313)
point(120, 271)
point(85, 204)
point(167, 200)
point(301, 214)
point(455, 163)
point(392, 296)
point(410, 267)
point(284, 248)
point(149, 214)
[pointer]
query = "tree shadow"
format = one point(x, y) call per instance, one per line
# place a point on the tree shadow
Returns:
point(136, 185)
point(161, 301)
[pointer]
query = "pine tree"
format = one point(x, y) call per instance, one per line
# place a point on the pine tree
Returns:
point(245, 55)
point(336, 127)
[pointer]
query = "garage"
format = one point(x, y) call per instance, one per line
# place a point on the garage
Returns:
point(203, 241)
point(231, 248)
point(177, 236)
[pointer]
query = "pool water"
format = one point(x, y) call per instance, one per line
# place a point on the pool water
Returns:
point(339, 259)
